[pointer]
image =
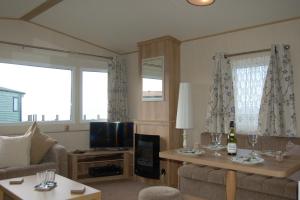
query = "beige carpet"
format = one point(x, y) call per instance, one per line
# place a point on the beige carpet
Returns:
point(119, 190)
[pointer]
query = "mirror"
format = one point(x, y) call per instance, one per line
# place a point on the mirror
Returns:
point(152, 79)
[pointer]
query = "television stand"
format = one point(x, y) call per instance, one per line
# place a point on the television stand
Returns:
point(112, 149)
point(83, 166)
point(119, 149)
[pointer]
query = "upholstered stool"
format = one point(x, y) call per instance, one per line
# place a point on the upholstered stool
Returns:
point(159, 193)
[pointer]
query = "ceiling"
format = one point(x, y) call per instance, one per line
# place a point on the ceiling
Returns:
point(17, 8)
point(119, 24)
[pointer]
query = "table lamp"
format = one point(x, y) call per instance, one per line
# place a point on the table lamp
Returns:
point(184, 111)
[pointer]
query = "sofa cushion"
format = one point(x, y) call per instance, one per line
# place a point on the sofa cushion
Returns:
point(186, 170)
point(40, 145)
point(280, 187)
point(251, 182)
point(202, 173)
point(295, 176)
point(2, 174)
point(217, 176)
point(15, 151)
point(291, 190)
point(293, 149)
point(13, 172)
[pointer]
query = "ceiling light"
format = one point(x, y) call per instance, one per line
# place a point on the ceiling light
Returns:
point(201, 2)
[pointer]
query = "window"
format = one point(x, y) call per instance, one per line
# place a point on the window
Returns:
point(15, 104)
point(46, 92)
point(94, 95)
point(249, 75)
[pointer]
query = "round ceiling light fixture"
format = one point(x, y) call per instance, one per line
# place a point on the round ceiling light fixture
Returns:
point(201, 2)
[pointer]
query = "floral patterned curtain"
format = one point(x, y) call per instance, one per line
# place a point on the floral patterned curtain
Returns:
point(221, 105)
point(277, 116)
point(117, 91)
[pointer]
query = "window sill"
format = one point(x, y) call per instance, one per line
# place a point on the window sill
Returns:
point(46, 127)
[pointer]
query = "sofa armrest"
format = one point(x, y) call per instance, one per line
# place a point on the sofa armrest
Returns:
point(58, 154)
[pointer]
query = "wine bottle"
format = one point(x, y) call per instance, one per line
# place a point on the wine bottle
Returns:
point(231, 140)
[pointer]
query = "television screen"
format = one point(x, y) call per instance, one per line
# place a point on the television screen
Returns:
point(111, 134)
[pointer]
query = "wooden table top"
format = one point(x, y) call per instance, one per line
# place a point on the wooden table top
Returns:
point(270, 167)
point(62, 191)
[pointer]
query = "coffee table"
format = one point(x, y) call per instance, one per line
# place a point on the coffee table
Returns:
point(25, 191)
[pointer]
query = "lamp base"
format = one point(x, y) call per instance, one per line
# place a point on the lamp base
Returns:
point(186, 151)
point(184, 144)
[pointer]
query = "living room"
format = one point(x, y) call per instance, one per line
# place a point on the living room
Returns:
point(96, 28)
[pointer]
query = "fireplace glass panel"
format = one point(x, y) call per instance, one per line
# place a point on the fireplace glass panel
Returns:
point(147, 156)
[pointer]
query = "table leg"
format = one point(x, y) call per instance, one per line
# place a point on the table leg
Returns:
point(94, 196)
point(230, 185)
point(97, 196)
point(1, 195)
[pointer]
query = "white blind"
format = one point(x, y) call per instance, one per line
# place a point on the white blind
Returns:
point(249, 73)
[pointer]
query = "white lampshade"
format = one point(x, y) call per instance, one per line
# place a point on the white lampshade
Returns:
point(184, 118)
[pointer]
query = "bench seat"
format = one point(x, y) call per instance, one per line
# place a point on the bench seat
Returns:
point(209, 183)
point(193, 177)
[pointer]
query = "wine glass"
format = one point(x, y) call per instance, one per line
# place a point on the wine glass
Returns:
point(252, 139)
point(215, 139)
point(289, 145)
point(216, 142)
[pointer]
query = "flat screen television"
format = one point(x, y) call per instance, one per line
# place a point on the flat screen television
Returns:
point(111, 134)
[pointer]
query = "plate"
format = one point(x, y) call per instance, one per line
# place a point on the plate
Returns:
point(272, 153)
point(214, 147)
point(247, 160)
point(45, 187)
point(191, 152)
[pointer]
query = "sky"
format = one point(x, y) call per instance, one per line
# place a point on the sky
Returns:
point(152, 84)
point(94, 95)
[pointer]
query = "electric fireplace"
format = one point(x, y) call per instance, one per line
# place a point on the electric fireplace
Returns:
point(146, 156)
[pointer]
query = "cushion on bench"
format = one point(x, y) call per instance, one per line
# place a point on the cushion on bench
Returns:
point(203, 173)
point(280, 187)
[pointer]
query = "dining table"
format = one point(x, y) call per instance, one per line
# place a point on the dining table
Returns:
point(269, 167)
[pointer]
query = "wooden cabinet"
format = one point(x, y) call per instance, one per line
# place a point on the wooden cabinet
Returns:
point(81, 163)
point(159, 117)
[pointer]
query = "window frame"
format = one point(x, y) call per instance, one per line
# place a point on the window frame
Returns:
point(81, 70)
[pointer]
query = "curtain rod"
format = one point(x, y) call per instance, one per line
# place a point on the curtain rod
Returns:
point(57, 50)
point(246, 52)
point(250, 52)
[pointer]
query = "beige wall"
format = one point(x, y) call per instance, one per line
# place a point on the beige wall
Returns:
point(22, 32)
point(133, 81)
point(196, 63)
